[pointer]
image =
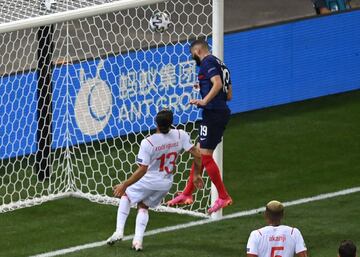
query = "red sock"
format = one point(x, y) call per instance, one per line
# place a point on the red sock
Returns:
point(189, 189)
point(214, 174)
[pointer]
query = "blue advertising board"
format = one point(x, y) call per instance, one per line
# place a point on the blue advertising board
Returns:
point(117, 95)
point(107, 98)
point(18, 117)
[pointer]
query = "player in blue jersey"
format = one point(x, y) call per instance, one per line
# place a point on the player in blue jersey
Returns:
point(215, 89)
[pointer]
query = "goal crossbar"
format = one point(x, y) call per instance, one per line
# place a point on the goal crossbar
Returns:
point(74, 14)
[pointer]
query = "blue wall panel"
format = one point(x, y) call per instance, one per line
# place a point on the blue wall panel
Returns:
point(294, 61)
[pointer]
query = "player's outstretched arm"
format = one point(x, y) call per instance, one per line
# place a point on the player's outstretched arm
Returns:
point(195, 152)
point(119, 190)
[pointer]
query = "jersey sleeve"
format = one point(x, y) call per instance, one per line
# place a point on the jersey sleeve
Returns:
point(252, 244)
point(299, 242)
point(185, 140)
point(211, 69)
point(144, 156)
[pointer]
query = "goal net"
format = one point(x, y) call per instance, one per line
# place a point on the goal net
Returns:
point(78, 94)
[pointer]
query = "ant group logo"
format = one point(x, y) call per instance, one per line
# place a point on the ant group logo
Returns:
point(93, 105)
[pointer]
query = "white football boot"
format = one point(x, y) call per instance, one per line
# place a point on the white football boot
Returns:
point(117, 236)
point(137, 245)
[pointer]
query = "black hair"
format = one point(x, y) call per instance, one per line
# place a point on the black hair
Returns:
point(164, 120)
point(347, 249)
point(201, 42)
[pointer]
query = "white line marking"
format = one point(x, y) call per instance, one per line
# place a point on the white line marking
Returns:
point(202, 222)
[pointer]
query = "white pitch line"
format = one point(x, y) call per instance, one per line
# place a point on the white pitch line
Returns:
point(202, 222)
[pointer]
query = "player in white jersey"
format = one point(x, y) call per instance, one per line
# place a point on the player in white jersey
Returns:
point(276, 240)
point(152, 180)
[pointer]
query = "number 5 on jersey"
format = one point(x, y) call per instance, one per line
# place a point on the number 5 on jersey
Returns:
point(274, 249)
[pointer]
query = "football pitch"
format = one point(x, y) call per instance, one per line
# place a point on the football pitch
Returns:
point(286, 153)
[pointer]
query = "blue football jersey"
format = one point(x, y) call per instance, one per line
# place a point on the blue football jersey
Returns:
point(211, 66)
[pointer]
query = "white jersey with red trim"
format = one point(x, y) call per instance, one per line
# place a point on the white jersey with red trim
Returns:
point(275, 241)
point(159, 152)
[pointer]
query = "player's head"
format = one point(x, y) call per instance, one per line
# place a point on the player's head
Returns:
point(164, 120)
point(347, 249)
point(199, 49)
point(274, 212)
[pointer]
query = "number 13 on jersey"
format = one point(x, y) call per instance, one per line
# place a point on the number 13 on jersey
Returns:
point(167, 162)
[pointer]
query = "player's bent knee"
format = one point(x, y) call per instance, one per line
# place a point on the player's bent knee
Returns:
point(207, 159)
point(125, 197)
point(204, 151)
point(141, 205)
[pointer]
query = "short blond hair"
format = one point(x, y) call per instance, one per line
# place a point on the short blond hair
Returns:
point(274, 210)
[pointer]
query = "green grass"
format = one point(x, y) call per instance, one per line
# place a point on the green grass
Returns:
point(287, 152)
point(64, 223)
point(293, 151)
point(323, 225)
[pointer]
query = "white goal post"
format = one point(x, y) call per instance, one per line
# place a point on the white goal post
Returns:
point(218, 50)
point(79, 89)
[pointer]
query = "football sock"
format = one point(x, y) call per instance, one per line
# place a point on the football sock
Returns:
point(123, 213)
point(142, 219)
point(214, 174)
point(189, 189)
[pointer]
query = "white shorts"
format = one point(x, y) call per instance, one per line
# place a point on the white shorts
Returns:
point(139, 193)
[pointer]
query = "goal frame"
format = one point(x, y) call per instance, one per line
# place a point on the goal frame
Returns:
point(218, 50)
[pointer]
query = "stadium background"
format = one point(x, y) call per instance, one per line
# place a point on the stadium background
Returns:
point(345, 76)
point(272, 65)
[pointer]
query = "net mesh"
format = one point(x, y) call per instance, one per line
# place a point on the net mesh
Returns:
point(109, 76)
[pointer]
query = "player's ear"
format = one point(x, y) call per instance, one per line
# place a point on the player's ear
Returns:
point(198, 51)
